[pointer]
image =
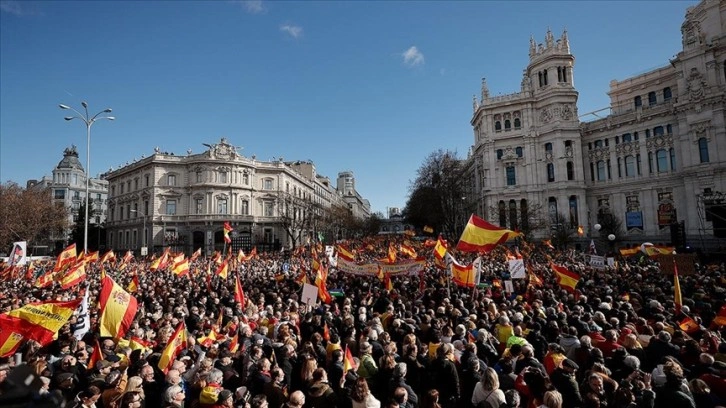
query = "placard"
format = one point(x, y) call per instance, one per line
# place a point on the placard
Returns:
point(508, 286)
point(309, 294)
point(516, 269)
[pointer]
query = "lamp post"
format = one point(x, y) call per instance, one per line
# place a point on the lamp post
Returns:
point(89, 121)
point(143, 240)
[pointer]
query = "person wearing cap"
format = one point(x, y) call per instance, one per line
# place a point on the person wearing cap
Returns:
point(563, 378)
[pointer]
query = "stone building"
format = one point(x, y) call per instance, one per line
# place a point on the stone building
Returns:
point(655, 161)
point(68, 185)
point(183, 201)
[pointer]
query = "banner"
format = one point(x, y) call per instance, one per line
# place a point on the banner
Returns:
point(597, 261)
point(83, 323)
point(18, 255)
point(516, 269)
point(406, 267)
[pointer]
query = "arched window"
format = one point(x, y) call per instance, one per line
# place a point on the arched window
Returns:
point(507, 124)
point(629, 166)
point(550, 172)
point(652, 99)
point(658, 131)
point(661, 158)
point(497, 126)
point(573, 211)
point(524, 213)
point(672, 154)
point(627, 138)
point(502, 214)
point(513, 225)
point(520, 151)
point(517, 123)
point(570, 170)
point(500, 153)
point(552, 209)
point(601, 170)
point(703, 150)
point(245, 207)
point(598, 144)
point(638, 102)
point(667, 95)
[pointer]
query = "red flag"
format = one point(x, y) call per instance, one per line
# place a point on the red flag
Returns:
point(227, 229)
point(118, 309)
point(223, 270)
point(348, 362)
point(565, 278)
point(196, 255)
point(67, 257)
point(239, 294)
point(96, 356)
point(689, 325)
point(39, 321)
point(177, 342)
point(326, 332)
point(74, 276)
point(481, 236)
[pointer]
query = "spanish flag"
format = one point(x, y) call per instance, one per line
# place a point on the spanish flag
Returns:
point(95, 356)
point(181, 268)
point(387, 281)
point(440, 249)
point(463, 275)
point(326, 332)
point(128, 257)
point(118, 309)
point(134, 284)
point(302, 278)
point(136, 343)
point(9, 342)
point(348, 362)
point(234, 343)
point(39, 321)
point(689, 325)
point(209, 339)
point(67, 257)
point(565, 278)
point(548, 243)
point(322, 290)
point(345, 254)
point(629, 251)
point(481, 236)
point(223, 270)
point(176, 345)
point(239, 293)
point(227, 229)
point(74, 276)
point(196, 255)
point(108, 257)
point(407, 249)
point(91, 257)
point(677, 299)
point(391, 253)
point(45, 279)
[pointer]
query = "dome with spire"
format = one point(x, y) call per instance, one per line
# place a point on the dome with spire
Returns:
point(70, 160)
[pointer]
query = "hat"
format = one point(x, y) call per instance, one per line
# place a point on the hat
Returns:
point(570, 364)
point(113, 358)
point(64, 377)
point(100, 365)
point(223, 396)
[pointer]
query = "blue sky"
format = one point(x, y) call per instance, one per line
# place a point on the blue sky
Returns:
point(372, 87)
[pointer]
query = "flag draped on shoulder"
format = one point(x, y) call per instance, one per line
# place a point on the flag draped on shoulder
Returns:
point(565, 278)
point(176, 345)
point(481, 236)
point(118, 309)
point(39, 321)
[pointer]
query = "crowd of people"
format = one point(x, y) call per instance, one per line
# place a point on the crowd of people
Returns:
point(616, 341)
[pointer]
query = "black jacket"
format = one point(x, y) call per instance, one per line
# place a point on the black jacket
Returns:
point(566, 384)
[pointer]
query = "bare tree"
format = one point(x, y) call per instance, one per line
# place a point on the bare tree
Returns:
point(563, 233)
point(29, 215)
point(530, 219)
point(296, 215)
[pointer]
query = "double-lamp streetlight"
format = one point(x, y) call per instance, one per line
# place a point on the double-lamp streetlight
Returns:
point(89, 121)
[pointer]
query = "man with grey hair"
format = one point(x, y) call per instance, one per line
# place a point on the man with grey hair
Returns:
point(398, 380)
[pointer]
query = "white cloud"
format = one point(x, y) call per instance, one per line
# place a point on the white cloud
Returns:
point(292, 30)
point(253, 6)
point(413, 57)
point(15, 8)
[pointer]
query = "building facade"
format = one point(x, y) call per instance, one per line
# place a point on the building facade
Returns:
point(183, 201)
point(656, 160)
point(68, 186)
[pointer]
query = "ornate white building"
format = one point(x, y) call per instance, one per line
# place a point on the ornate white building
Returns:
point(656, 162)
point(183, 201)
point(68, 186)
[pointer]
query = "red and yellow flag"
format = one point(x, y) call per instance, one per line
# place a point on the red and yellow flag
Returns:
point(565, 278)
point(387, 281)
point(75, 275)
point(677, 298)
point(326, 332)
point(223, 270)
point(118, 309)
point(548, 243)
point(440, 249)
point(208, 339)
point(227, 229)
point(177, 342)
point(108, 257)
point(239, 293)
point(302, 278)
point(629, 251)
point(181, 268)
point(91, 257)
point(39, 321)
point(136, 343)
point(196, 255)
point(322, 289)
point(66, 258)
point(407, 249)
point(391, 253)
point(134, 284)
point(344, 253)
point(463, 275)
point(45, 279)
point(481, 236)
point(348, 362)
point(95, 356)
point(234, 343)
point(689, 325)
point(9, 342)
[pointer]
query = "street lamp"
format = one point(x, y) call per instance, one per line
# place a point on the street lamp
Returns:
point(89, 121)
point(143, 241)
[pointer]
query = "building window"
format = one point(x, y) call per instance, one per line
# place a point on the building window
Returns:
point(198, 205)
point(552, 209)
point(652, 99)
point(268, 208)
point(658, 131)
point(245, 179)
point(511, 176)
point(146, 208)
point(171, 180)
point(620, 173)
point(128, 186)
point(550, 172)
point(573, 211)
point(635, 135)
point(548, 147)
point(647, 133)
point(702, 152)
point(610, 177)
point(502, 214)
point(629, 166)
point(497, 126)
point(61, 194)
point(136, 210)
point(592, 171)
point(171, 207)
point(607, 142)
point(650, 162)
point(570, 170)
point(500, 153)
point(544, 76)
point(513, 225)
point(637, 163)
point(669, 129)
point(519, 151)
point(245, 207)
point(638, 102)
point(601, 170)
point(223, 177)
point(507, 125)
point(627, 138)
point(121, 187)
point(267, 184)
point(541, 83)
point(667, 95)
point(517, 123)
point(136, 184)
point(661, 160)
point(672, 153)
point(146, 180)
point(598, 144)
point(222, 206)
point(199, 176)
point(76, 195)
